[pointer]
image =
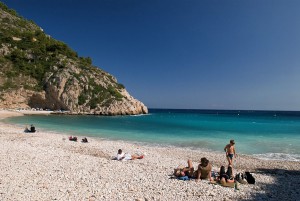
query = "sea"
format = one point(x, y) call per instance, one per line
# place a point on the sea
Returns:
point(270, 135)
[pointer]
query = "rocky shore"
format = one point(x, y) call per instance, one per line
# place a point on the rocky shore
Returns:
point(47, 166)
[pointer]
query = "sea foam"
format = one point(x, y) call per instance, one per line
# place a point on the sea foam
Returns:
point(278, 156)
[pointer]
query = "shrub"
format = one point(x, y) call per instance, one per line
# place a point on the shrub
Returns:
point(114, 92)
point(8, 85)
point(11, 11)
point(82, 99)
point(11, 74)
point(93, 103)
point(120, 86)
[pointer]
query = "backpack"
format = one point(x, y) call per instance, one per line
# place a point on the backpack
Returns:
point(240, 177)
point(249, 177)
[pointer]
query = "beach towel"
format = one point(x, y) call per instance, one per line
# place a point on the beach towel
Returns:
point(185, 178)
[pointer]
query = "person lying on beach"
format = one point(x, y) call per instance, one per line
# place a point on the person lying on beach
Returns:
point(186, 171)
point(225, 178)
point(84, 140)
point(126, 156)
point(204, 170)
point(230, 152)
point(73, 138)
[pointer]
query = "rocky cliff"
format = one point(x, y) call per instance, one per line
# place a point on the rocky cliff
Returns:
point(37, 71)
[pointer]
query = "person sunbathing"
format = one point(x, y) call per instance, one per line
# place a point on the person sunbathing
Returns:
point(226, 178)
point(73, 138)
point(188, 171)
point(126, 156)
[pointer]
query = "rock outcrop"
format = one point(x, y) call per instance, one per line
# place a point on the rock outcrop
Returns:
point(37, 71)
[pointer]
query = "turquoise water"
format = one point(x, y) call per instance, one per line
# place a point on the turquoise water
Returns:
point(265, 134)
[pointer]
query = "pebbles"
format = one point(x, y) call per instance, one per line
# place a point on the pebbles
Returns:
point(42, 166)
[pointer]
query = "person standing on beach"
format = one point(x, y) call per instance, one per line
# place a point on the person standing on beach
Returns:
point(230, 152)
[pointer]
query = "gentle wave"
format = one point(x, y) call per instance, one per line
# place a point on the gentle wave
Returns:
point(278, 156)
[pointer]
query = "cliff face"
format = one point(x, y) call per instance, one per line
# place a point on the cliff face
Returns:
point(41, 72)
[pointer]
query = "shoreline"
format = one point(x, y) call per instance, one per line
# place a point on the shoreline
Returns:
point(264, 156)
point(45, 165)
point(14, 113)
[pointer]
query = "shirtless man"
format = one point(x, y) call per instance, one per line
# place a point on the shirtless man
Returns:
point(230, 152)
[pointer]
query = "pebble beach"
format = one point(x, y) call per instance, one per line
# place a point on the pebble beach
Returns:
point(47, 166)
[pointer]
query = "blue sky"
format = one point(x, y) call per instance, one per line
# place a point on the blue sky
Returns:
point(193, 54)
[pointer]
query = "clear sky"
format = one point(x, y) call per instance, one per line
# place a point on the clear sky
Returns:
point(193, 54)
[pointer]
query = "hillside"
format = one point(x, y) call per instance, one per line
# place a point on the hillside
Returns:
point(37, 71)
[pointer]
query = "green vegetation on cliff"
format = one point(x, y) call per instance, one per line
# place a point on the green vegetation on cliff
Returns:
point(33, 51)
point(32, 60)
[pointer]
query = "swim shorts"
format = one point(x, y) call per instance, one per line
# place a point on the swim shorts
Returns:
point(230, 156)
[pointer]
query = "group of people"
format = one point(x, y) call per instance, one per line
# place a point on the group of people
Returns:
point(204, 170)
point(31, 129)
point(74, 138)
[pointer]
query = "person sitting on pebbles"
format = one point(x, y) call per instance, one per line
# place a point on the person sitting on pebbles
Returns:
point(126, 156)
point(30, 130)
point(204, 170)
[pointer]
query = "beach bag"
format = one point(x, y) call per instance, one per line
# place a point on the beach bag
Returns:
point(249, 177)
point(240, 177)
